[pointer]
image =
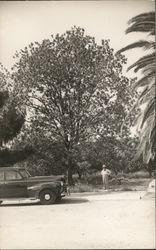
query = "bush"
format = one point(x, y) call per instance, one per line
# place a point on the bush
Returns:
point(137, 175)
point(94, 179)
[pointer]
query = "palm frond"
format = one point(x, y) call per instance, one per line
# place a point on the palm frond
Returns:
point(144, 22)
point(142, 96)
point(147, 145)
point(153, 133)
point(143, 27)
point(146, 94)
point(143, 62)
point(149, 111)
point(143, 81)
point(153, 142)
point(147, 153)
point(140, 44)
point(141, 146)
point(151, 68)
point(147, 16)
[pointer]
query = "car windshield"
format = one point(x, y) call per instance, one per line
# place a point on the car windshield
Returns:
point(25, 173)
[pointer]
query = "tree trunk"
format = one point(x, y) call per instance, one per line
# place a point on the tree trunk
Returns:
point(69, 174)
point(69, 162)
point(150, 172)
point(79, 174)
point(69, 168)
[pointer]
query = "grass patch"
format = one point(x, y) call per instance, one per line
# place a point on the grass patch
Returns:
point(136, 181)
point(81, 188)
point(128, 184)
point(96, 179)
point(137, 175)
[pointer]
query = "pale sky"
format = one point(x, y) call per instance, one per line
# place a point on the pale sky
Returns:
point(23, 22)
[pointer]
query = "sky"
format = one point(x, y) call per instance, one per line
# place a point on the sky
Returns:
point(23, 22)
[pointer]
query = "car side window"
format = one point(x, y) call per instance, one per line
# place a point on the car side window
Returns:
point(12, 175)
point(1, 175)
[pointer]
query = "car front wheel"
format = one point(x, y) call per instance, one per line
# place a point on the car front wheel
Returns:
point(47, 197)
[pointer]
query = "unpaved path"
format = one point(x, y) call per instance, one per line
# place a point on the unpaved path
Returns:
point(103, 221)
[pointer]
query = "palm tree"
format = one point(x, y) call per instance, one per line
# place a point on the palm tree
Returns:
point(146, 84)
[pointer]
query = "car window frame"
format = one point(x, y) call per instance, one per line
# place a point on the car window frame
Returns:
point(27, 173)
point(12, 179)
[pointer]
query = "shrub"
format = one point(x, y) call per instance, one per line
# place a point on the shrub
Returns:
point(137, 175)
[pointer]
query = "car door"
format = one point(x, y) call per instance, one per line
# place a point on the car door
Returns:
point(1, 183)
point(15, 185)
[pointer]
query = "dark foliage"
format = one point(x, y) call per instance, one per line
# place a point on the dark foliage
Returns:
point(10, 157)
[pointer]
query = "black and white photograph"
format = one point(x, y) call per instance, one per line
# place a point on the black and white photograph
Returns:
point(77, 124)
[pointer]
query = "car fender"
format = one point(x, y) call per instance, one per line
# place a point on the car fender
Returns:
point(34, 190)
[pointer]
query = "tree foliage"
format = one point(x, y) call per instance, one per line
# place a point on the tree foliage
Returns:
point(12, 117)
point(48, 155)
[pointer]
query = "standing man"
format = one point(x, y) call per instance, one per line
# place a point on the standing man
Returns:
point(105, 173)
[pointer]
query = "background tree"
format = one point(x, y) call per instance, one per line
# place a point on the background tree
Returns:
point(116, 154)
point(146, 84)
point(12, 118)
point(74, 89)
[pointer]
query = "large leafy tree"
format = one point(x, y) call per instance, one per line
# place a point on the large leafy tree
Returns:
point(146, 84)
point(74, 89)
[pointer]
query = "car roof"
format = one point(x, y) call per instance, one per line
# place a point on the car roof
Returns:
point(12, 168)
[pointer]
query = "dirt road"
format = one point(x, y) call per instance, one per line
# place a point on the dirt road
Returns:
point(93, 221)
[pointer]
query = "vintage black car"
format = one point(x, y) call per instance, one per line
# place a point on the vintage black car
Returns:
point(16, 183)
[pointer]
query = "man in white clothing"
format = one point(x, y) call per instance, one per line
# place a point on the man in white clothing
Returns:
point(105, 173)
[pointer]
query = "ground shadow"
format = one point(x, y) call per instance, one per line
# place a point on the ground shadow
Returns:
point(71, 200)
point(66, 201)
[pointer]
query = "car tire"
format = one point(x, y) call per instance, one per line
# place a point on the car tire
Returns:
point(1, 202)
point(47, 197)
